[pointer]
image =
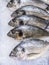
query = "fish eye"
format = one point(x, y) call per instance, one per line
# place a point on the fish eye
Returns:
point(21, 22)
point(20, 33)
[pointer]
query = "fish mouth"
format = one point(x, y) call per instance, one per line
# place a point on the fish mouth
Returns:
point(11, 35)
point(11, 23)
point(8, 34)
point(12, 54)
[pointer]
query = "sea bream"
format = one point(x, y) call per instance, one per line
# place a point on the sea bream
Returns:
point(38, 3)
point(27, 31)
point(31, 10)
point(29, 19)
point(29, 48)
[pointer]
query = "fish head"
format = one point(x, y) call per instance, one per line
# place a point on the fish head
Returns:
point(16, 22)
point(10, 4)
point(13, 22)
point(18, 52)
point(18, 13)
point(17, 34)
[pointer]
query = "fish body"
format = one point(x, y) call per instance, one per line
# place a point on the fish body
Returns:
point(29, 19)
point(31, 10)
point(38, 3)
point(27, 31)
point(28, 48)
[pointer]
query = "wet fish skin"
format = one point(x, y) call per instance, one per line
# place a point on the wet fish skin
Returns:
point(31, 10)
point(27, 31)
point(28, 48)
point(38, 3)
point(31, 19)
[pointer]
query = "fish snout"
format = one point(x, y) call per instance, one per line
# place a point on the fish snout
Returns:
point(11, 23)
point(9, 5)
point(9, 34)
point(12, 54)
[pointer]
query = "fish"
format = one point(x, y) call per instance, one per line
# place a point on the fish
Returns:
point(38, 3)
point(28, 48)
point(29, 19)
point(27, 31)
point(31, 10)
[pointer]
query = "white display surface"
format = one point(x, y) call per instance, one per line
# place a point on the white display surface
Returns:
point(7, 43)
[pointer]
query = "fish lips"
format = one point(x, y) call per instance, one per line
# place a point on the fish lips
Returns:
point(11, 35)
point(13, 54)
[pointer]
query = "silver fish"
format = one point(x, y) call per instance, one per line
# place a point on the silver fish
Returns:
point(29, 48)
point(29, 19)
point(31, 10)
point(38, 3)
point(27, 31)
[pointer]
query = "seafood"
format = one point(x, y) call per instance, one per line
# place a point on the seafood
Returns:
point(38, 3)
point(29, 48)
point(27, 31)
point(31, 10)
point(29, 19)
